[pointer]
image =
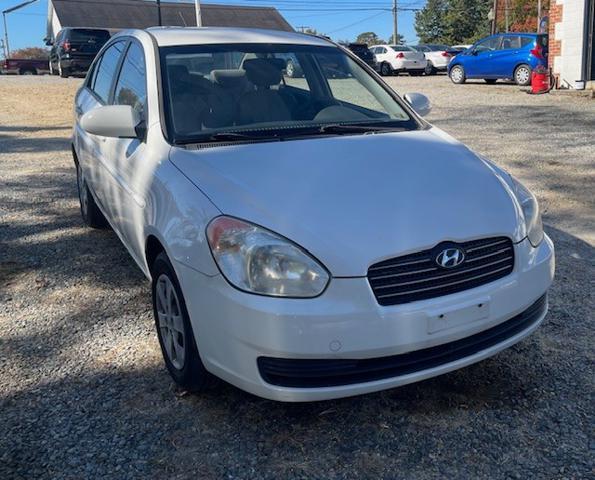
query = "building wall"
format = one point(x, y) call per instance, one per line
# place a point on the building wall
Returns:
point(567, 40)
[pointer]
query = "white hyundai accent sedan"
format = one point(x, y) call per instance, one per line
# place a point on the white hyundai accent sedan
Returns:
point(306, 238)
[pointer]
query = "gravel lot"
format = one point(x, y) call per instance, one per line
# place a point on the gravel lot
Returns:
point(84, 393)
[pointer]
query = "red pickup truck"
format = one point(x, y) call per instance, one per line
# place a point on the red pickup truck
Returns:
point(22, 66)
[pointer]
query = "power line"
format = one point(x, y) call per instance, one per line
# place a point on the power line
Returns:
point(356, 23)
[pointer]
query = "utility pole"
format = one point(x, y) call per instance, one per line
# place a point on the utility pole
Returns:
point(395, 26)
point(538, 15)
point(197, 11)
point(6, 48)
point(159, 12)
point(3, 49)
point(506, 14)
point(495, 19)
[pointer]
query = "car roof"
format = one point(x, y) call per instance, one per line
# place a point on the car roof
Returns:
point(171, 36)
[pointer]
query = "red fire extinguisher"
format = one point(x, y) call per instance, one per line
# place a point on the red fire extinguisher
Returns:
point(540, 80)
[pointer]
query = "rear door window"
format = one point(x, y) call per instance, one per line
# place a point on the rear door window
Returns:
point(510, 42)
point(106, 71)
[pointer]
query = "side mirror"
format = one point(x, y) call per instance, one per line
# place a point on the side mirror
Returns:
point(473, 52)
point(48, 41)
point(120, 121)
point(420, 103)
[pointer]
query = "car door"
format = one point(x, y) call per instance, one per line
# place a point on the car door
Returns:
point(480, 63)
point(125, 183)
point(91, 149)
point(504, 59)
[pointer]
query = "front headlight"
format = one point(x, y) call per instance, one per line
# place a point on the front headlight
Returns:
point(256, 260)
point(530, 207)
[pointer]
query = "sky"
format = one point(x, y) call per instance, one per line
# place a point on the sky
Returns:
point(340, 19)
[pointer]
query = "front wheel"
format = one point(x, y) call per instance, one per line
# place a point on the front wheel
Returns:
point(174, 331)
point(385, 69)
point(457, 74)
point(522, 75)
point(90, 212)
point(429, 70)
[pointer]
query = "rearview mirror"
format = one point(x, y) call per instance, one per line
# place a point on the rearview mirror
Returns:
point(120, 121)
point(420, 103)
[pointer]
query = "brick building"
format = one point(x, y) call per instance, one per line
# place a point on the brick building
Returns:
point(572, 43)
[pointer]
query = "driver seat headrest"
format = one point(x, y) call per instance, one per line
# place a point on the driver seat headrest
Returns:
point(264, 72)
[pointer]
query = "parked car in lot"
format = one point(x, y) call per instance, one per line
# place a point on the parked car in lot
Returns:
point(362, 51)
point(302, 242)
point(23, 66)
point(399, 58)
point(437, 57)
point(74, 49)
point(502, 56)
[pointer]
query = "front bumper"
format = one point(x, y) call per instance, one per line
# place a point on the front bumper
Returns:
point(234, 329)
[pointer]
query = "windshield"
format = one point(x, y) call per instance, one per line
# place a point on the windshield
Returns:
point(217, 92)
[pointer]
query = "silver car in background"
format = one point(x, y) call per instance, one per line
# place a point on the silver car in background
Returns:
point(308, 237)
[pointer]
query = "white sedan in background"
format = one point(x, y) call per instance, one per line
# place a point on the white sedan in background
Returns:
point(437, 57)
point(395, 59)
point(307, 238)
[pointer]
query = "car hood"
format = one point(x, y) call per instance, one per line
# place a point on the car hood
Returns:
point(352, 201)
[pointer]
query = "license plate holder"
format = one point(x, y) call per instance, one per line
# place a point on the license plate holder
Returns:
point(454, 316)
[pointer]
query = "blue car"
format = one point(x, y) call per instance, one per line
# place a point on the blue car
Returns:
point(504, 55)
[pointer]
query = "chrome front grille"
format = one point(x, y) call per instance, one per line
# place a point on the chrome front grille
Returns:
point(418, 276)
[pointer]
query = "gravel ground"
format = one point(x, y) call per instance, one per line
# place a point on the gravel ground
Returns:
point(84, 394)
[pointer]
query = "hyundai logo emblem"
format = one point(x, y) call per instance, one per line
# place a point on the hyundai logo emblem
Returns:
point(450, 257)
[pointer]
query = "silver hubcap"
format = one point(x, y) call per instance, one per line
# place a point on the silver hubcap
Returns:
point(83, 196)
point(171, 324)
point(290, 69)
point(456, 74)
point(522, 75)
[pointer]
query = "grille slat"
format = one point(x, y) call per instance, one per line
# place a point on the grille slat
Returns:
point(448, 275)
point(417, 276)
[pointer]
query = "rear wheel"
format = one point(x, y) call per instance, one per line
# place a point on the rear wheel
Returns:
point(90, 212)
point(174, 330)
point(429, 70)
point(457, 74)
point(490, 81)
point(522, 75)
point(385, 69)
point(63, 71)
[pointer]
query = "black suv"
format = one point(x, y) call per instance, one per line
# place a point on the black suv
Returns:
point(361, 50)
point(74, 49)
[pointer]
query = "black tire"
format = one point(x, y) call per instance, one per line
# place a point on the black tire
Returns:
point(457, 75)
point(385, 69)
point(430, 69)
point(63, 71)
point(27, 71)
point(192, 375)
point(522, 75)
point(90, 212)
point(490, 81)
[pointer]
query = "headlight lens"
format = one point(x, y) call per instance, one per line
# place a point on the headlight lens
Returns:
point(259, 261)
point(530, 207)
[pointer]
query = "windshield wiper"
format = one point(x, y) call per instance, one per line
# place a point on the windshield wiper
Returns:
point(232, 136)
point(355, 128)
